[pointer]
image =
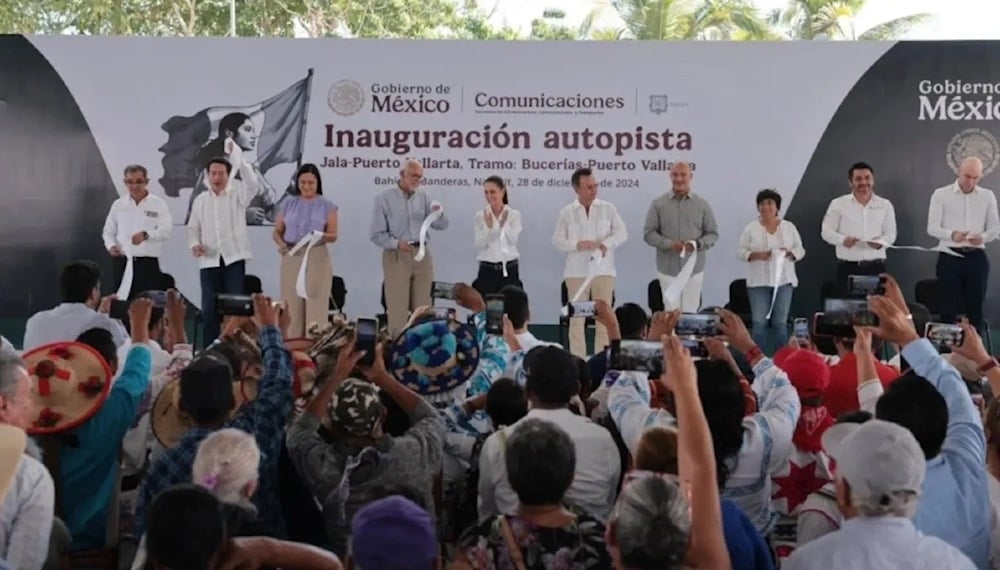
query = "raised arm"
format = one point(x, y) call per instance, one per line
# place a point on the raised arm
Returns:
point(482, 234)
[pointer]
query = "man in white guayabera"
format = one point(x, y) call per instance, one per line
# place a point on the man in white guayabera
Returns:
point(678, 224)
point(588, 230)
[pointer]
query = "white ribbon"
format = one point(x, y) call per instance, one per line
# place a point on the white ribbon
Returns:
point(503, 241)
point(672, 295)
point(938, 248)
point(777, 266)
point(424, 227)
point(311, 239)
point(594, 265)
point(125, 289)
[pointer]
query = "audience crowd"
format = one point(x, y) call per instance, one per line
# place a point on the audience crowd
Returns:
point(449, 447)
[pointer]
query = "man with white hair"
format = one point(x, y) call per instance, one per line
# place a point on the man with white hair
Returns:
point(963, 216)
point(678, 224)
point(879, 473)
point(396, 222)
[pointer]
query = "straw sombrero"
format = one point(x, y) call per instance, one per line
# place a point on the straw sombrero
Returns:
point(170, 424)
point(69, 383)
point(435, 358)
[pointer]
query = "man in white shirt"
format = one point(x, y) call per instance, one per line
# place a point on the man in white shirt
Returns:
point(136, 226)
point(553, 380)
point(588, 230)
point(879, 475)
point(677, 224)
point(963, 216)
point(858, 225)
point(217, 236)
point(82, 309)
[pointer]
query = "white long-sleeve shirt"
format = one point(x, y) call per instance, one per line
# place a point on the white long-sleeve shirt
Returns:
point(952, 210)
point(846, 217)
point(499, 243)
point(126, 218)
point(66, 322)
point(602, 224)
point(755, 238)
point(218, 222)
point(595, 482)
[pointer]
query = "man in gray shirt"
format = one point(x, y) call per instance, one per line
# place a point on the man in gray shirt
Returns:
point(399, 213)
point(673, 221)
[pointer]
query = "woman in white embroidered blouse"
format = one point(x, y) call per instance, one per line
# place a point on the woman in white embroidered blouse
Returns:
point(770, 246)
point(497, 227)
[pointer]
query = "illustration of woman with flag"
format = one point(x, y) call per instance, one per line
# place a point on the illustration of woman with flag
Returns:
point(239, 128)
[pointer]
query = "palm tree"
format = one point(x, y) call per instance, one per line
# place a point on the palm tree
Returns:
point(683, 20)
point(836, 19)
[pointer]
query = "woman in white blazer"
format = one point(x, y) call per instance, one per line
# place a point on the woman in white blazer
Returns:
point(762, 243)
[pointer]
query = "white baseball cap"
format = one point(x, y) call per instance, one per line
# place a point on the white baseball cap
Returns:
point(882, 461)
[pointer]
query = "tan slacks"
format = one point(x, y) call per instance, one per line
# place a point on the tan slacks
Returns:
point(319, 280)
point(407, 286)
point(602, 287)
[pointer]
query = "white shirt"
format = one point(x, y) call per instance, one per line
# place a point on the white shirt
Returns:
point(595, 481)
point(952, 210)
point(499, 243)
point(126, 218)
point(878, 543)
point(846, 217)
point(218, 222)
point(755, 238)
point(66, 322)
point(602, 224)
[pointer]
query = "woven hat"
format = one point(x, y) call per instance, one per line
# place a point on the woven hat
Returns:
point(12, 443)
point(69, 383)
point(435, 358)
point(299, 344)
point(304, 374)
point(170, 423)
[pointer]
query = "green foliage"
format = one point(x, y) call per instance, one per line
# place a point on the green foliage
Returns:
point(462, 19)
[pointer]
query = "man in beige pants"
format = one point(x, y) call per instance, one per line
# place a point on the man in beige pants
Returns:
point(588, 229)
point(399, 213)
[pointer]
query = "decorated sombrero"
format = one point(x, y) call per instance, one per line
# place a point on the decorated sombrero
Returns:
point(69, 383)
point(435, 358)
point(169, 423)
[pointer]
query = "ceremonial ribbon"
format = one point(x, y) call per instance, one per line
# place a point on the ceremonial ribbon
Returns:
point(127, 277)
point(672, 295)
point(424, 227)
point(938, 248)
point(503, 241)
point(593, 269)
point(308, 241)
point(777, 266)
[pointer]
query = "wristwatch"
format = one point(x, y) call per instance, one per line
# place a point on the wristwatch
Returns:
point(988, 366)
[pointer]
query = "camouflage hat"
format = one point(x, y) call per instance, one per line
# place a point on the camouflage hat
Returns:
point(356, 407)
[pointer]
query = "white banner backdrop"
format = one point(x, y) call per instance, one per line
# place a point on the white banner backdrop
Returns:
point(747, 115)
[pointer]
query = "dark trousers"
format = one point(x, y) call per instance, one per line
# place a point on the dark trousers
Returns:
point(962, 281)
point(847, 268)
point(146, 274)
point(226, 279)
point(490, 279)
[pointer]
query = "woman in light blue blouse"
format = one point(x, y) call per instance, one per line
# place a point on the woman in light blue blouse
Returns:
point(299, 216)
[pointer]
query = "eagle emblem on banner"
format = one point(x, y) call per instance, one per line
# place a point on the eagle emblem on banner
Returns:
point(973, 142)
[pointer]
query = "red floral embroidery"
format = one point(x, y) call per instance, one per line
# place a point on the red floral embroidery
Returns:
point(47, 418)
point(44, 371)
point(92, 386)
